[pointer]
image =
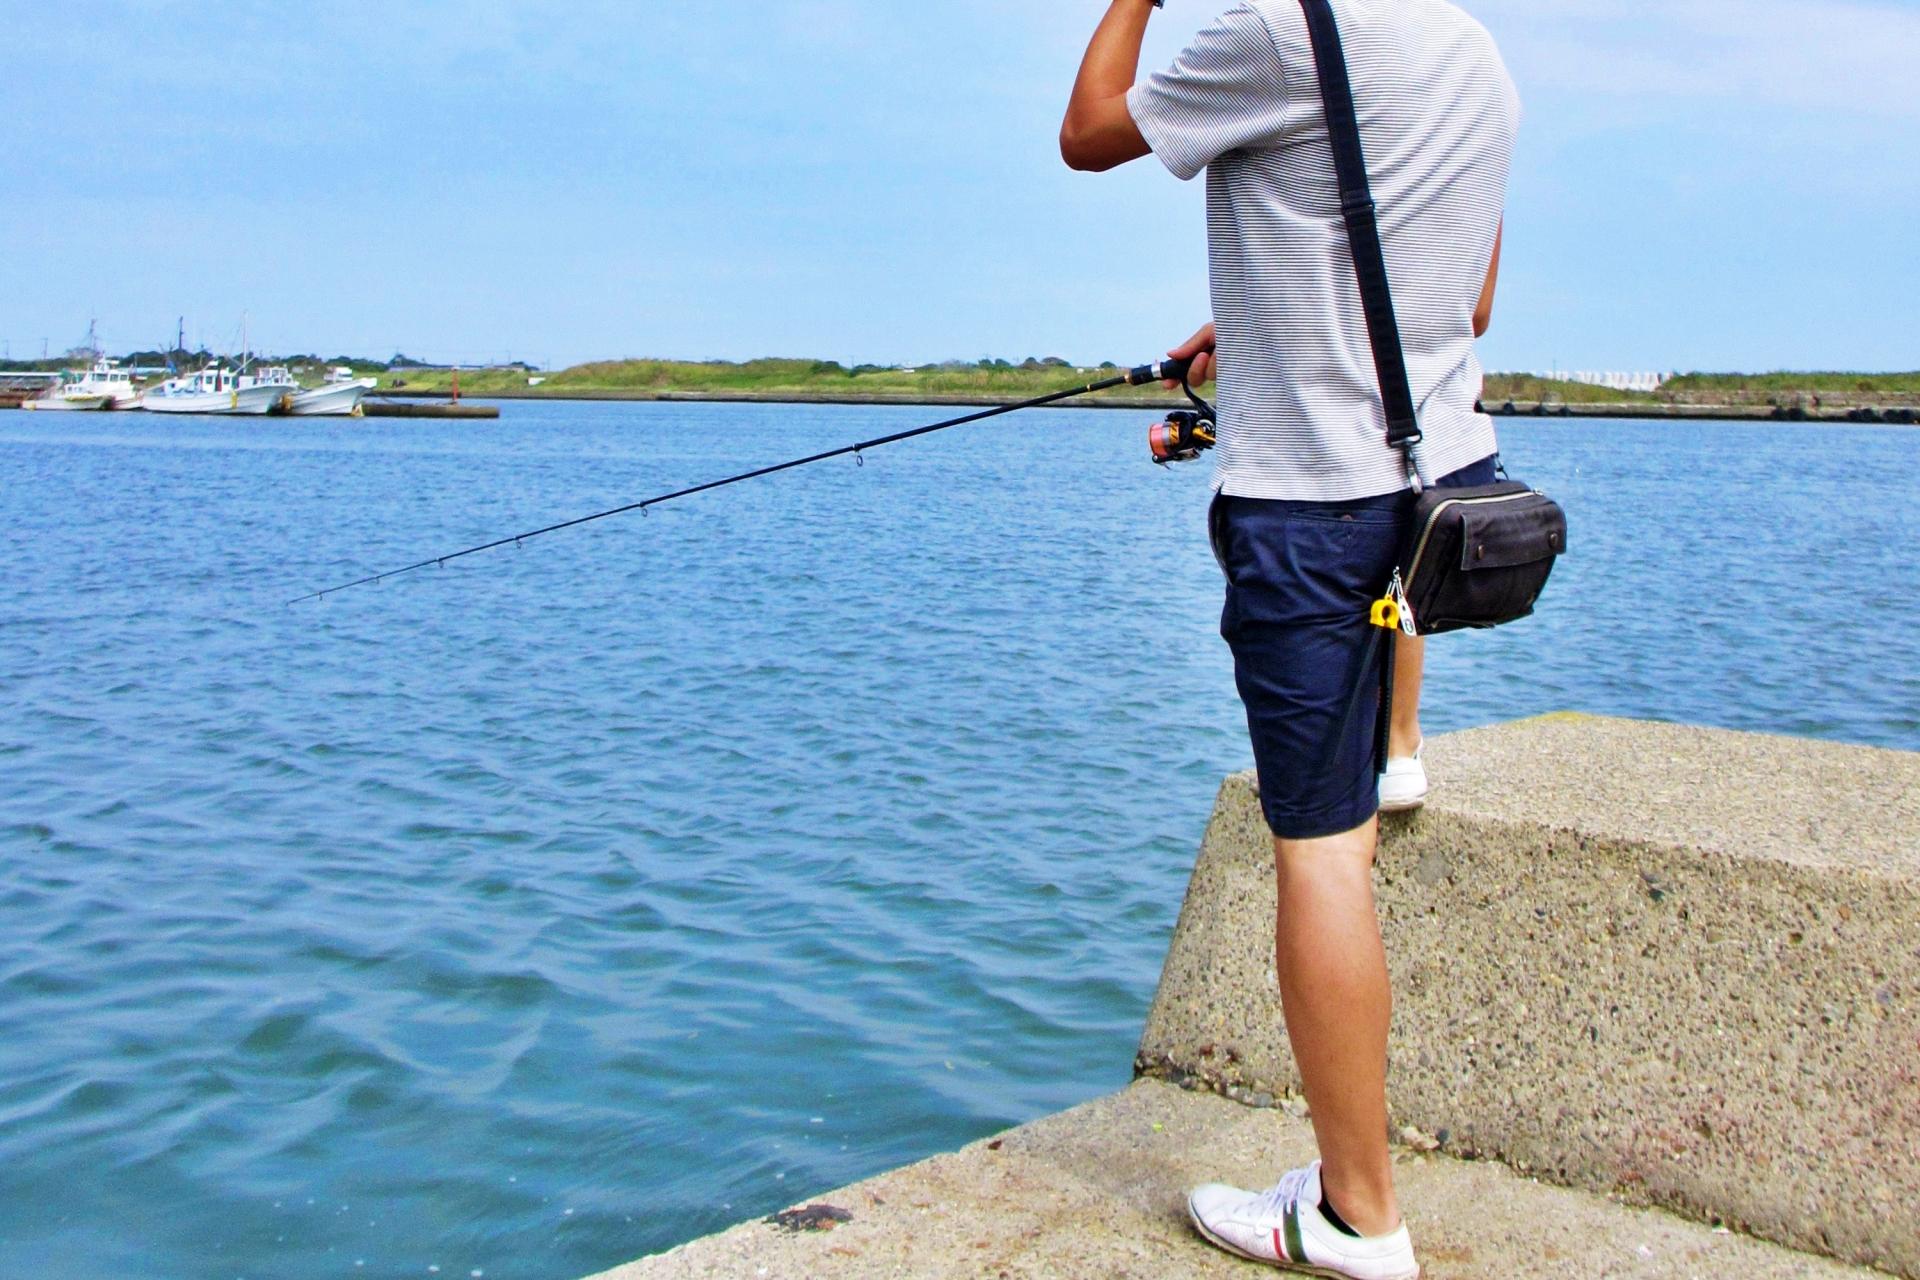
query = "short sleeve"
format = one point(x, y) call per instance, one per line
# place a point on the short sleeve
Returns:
point(1228, 91)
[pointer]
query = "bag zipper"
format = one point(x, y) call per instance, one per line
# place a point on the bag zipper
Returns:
point(1426, 534)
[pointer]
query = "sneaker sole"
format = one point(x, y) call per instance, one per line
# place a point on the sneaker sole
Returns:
point(1403, 806)
point(1298, 1268)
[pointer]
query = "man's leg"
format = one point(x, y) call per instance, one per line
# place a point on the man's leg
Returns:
point(1410, 654)
point(1409, 668)
point(1333, 986)
point(1301, 580)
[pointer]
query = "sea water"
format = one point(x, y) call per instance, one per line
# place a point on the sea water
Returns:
point(532, 913)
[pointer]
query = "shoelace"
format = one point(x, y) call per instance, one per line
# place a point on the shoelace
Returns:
point(1274, 1203)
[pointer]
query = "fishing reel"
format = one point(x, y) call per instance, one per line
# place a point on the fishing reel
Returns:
point(1183, 437)
point(1186, 433)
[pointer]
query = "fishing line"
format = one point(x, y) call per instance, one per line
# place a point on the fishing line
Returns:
point(1168, 370)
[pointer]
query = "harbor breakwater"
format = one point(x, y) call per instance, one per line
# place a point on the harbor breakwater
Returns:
point(1619, 411)
point(1651, 964)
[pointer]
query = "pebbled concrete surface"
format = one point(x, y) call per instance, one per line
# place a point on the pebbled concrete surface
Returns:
point(1677, 965)
point(1101, 1191)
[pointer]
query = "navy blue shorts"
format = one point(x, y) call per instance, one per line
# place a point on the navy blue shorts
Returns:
point(1301, 580)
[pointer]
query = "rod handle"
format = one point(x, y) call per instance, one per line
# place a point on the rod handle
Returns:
point(1164, 371)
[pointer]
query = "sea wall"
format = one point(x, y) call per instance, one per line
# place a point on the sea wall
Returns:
point(1837, 412)
point(1678, 965)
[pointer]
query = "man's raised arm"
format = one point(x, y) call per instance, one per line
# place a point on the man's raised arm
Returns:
point(1099, 132)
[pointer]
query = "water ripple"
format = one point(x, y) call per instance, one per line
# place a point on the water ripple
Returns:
point(559, 905)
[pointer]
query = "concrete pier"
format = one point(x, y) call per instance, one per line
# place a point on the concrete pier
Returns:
point(1868, 415)
point(1680, 966)
point(1674, 971)
point(386, 409)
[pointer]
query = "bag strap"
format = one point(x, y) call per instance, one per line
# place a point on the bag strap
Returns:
point(1363, 232)
point(1383, 327)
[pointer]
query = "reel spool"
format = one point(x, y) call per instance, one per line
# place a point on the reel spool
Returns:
point(1186, 433)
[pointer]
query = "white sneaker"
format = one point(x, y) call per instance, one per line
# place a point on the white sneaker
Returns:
point(1285, 1227)
point(1404, 785)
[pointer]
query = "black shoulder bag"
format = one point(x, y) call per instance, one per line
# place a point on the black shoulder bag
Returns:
point(1473, 557)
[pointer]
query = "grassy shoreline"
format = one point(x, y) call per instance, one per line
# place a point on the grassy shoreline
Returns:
point(802, 381)
point(1158, 400)
point(999, 381)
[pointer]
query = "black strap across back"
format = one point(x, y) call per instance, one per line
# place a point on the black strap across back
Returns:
point(1363, 227)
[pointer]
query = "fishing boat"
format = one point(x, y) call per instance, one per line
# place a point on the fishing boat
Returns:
point(68, 396)
point(338, 397)
point(104, 386)
point(276, 376)
point(107, 375)
point(215, 390)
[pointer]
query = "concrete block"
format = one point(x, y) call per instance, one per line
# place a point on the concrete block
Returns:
point(1101, 1191)
point(1677, 965)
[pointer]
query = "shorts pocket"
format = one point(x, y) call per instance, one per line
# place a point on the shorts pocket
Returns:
point(1217, 532)
point(1311, 568)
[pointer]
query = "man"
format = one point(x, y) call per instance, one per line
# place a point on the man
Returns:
point(1311, 502)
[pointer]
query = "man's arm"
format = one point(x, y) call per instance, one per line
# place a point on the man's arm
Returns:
point(1099, 132)
point(1483, 312)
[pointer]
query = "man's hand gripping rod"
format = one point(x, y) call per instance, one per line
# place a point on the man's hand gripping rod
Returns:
point(1165, 371)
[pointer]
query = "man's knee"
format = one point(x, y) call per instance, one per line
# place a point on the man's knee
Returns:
point(1348, 853)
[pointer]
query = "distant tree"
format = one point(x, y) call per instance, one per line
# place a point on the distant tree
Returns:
point(1108, 364)
point(1055, 362)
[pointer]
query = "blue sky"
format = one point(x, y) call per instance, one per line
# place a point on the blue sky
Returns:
point(1711, 184)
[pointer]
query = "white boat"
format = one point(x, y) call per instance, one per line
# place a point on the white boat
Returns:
point(276, 377)
point(215, 390)
point(68, 396)
point(338, 397)
point(105, 386)
point(107, 375)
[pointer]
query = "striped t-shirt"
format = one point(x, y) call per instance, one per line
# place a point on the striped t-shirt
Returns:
point(1300, 409)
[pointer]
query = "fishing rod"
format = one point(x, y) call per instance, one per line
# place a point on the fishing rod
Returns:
point(1183, 437)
